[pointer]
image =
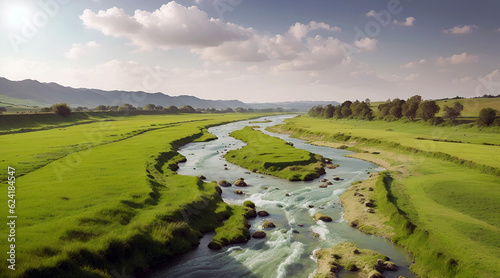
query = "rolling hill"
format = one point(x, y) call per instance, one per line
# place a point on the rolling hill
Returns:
point(34, 93)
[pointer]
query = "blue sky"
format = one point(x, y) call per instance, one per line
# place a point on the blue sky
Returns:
point(257, 50)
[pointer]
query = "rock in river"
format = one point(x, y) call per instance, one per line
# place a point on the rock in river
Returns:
point(240, 183)
point(320, 216)
point(224, 183)
point(268, 224)
point(259, 234)
point(263, 213)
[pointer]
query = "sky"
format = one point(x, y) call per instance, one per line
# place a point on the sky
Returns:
point(257, 50)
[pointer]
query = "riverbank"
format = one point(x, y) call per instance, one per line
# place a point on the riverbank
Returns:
point(424, 195)
point(348, 256)
point(113, 193)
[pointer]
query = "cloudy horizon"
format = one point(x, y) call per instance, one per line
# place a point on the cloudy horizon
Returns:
point(257, 51)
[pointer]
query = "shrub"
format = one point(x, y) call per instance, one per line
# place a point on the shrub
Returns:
point(61, 109)
point(486, 117)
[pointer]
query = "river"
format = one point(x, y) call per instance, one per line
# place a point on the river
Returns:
point(282, 253)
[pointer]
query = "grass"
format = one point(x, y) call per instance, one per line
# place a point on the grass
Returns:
point(355, 211)
point(348, 256)
point(88, 206)
point(472, 148)
point(234, 229)
point(443, 211)
point(270, 155)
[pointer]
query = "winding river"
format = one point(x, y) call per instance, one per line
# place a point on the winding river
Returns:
point(282, 253)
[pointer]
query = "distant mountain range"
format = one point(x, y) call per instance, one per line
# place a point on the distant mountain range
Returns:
point(32, 92)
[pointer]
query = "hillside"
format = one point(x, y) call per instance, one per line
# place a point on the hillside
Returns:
point(28, 95)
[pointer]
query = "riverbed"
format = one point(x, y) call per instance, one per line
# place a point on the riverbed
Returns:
point(282, 253)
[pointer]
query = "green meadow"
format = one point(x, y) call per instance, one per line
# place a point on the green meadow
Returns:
point(444, 210)
point(103, 196)
point(270, 155)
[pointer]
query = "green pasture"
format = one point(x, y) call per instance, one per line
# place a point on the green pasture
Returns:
point(87, 206)
point(469, 142)
point(444, 213)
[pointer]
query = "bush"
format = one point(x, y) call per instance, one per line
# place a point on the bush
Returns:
point(486, 117)
point(61, 109)
point(436, 121)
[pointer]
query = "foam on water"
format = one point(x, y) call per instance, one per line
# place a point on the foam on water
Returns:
point(321, 229)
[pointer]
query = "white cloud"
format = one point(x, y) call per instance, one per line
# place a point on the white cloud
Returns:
point(300, 30)
point(77, 50)
point(461, 29)
point(408, 22)
point(295, 50)
point(172, 25)
point(366, 44)
point(458, 59)
point(371, 13)
point(320, 54)
point(462, 80)
point(411, 77)
point(493, 75)
point(412, 65)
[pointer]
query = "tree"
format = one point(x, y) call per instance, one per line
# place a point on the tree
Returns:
point(187, 109)
point(427, 110)
point(61, 109)
point(315, 111)
point(328, 111)
point(46, 109)
point(172, 110)
point(346, 111)
point(486, 117)
point(101, 108)
point(126, 107)
point(149, 107)
point(452, 113)
point(409, 109)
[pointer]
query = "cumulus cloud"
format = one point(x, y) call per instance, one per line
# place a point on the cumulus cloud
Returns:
point(412, 65)
point(461, 29)
point(77, 49)
point(371, 13)
point(366, 44)
point(493, 75)
point(294, 49)
point(408, 22)
point(172, 25)
point(320, 54)
point(458, 59)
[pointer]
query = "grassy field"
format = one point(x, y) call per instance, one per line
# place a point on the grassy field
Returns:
point(443, 211)
point(104, 196)
point(270, 155)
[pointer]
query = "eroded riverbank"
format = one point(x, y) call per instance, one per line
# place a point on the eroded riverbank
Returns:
point(282, 253)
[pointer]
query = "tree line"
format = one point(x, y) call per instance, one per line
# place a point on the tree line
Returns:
point(62, 109)
point(410, 109)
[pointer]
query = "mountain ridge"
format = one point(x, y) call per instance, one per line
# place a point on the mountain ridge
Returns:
point(49, 93)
